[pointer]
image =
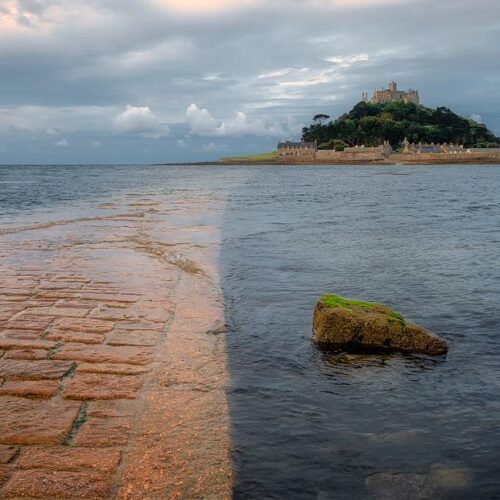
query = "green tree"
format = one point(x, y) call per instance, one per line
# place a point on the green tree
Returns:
point(371, 124)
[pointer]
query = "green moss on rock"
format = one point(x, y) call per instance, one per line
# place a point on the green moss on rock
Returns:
point(340, 322)
point(331, 300)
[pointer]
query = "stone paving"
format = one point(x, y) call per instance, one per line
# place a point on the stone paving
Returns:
point(112, 362)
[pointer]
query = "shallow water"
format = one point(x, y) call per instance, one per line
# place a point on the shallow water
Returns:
point(425, 240)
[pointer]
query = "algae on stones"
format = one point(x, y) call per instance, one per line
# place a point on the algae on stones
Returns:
point(331, 300)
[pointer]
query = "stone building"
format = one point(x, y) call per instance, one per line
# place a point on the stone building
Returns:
point(384, 150)
point(495, 151)
point(433, 148)
point(297, 150)
point(392, 94)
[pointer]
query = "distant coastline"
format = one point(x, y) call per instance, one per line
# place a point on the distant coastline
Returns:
point(389, 161)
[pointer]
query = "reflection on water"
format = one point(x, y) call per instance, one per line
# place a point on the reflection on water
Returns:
point(309, 424)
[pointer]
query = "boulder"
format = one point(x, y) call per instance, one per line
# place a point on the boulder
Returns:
point(354, 325)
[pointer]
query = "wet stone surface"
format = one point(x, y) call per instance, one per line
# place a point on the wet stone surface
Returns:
point(85, 307)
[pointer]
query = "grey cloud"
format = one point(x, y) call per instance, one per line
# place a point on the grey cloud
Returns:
point(278, 63)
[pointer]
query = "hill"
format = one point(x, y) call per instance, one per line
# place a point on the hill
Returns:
point(371, 124)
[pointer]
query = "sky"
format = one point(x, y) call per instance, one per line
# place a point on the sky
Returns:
point(153, 81)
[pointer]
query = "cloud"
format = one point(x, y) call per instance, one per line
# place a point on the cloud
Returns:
point(355, 4)
point(63, 143)
point(204, 6)
point(194, 7)
point(96, 145)
point(212, 146)
point(139, 120)
point(346, 61)
point(202, 123)
point(274, 74)
point(476, 117)
point(52, 121)
point(69, 67)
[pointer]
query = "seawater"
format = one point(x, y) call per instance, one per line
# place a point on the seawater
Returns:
point(307, 424)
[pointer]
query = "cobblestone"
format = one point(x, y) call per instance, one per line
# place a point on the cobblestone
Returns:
point(35, 389)
point(70, 459)
point(84, 355)
point(7, 453)
point(33, 421)
point(86, 386)
point(33, 370)
point(57, 484)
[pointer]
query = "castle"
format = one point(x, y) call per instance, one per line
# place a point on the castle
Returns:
point(392, 94)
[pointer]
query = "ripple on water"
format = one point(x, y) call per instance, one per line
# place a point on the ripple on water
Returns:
point(306, 424)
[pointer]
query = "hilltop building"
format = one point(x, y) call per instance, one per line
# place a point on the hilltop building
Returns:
point(392, 94)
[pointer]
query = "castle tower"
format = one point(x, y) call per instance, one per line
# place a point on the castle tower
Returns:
point(392, 94)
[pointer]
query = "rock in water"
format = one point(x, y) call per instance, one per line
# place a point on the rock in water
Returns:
point(343, 323)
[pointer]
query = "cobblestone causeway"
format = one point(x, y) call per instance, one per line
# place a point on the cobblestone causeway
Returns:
point(111, 384)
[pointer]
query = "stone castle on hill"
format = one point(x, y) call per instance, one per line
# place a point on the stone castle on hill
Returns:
point(392, 94)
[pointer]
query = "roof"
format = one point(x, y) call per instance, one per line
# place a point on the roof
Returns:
point(297, 145)
point(485, 150)
point(425, 148)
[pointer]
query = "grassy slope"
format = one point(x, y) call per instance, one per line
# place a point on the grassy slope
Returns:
point(259, 157)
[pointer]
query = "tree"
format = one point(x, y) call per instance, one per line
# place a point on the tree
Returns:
point(371, 124)
point(320, 118)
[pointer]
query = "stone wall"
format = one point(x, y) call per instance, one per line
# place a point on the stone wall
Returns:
point(296, 154)
point(329, 156)
point(433, 158)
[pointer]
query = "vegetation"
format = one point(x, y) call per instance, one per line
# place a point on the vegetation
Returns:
point(331, 300)
point(259, 157)
point(371, 124)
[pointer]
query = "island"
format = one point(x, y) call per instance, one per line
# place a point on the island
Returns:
point(390, 128)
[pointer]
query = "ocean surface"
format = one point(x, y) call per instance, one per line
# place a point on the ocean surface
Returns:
point(308, 424)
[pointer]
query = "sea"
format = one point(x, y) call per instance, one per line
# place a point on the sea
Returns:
point(308, 424)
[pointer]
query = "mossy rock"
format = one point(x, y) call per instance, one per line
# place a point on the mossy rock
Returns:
point(355, 325)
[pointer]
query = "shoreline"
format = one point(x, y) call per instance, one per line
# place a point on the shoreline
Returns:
point(358, 163)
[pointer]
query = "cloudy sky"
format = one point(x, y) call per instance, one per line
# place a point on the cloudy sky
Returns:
point(133, 81)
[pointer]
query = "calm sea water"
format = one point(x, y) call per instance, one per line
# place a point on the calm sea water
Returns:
point(305, 424)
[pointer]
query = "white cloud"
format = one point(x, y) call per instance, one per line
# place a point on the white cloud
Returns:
point(273, 74)
point(63, 143)
point(477, 118)
point(353, 4)
point(139, 120)
point(96, 145)
point(203, 123)
point(346, 61)
point(205, 6)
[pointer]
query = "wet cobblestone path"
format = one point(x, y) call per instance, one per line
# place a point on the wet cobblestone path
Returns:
point(112, 355)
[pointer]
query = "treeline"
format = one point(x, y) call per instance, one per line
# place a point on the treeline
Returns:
point(372, 124)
